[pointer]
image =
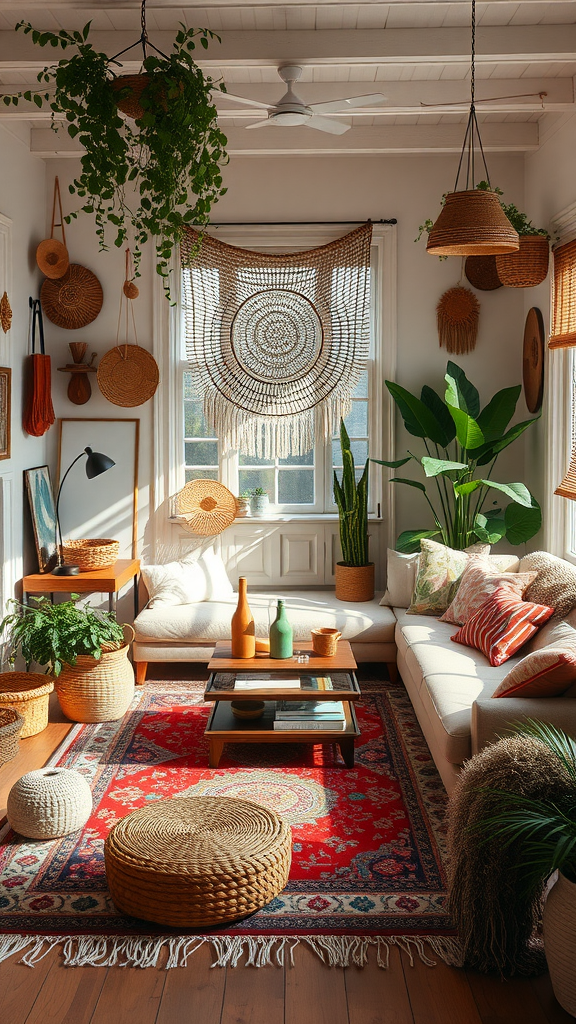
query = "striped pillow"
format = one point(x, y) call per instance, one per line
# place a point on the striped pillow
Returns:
point(545, 673)
point(502, 625)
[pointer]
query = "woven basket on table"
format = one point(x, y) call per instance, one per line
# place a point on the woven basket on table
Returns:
point(97, 689)
point(325, 641)
point(10, 725)
point(89, 555)
point(197, 861)
point(527, 267)
point(28, 693)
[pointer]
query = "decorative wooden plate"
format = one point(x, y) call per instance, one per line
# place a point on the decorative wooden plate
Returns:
point(533, 359)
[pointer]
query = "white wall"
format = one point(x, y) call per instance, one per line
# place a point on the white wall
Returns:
point(301, 189)
point(22, 199)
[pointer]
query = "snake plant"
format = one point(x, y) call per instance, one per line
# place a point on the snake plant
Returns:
point(352, 500)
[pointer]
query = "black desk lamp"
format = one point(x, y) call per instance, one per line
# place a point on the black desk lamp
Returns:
point(96, 463)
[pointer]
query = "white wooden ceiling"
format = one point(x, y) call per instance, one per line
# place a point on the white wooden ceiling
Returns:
point(417, 54)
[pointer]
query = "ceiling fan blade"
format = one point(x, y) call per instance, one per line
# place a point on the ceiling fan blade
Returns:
point(244, 100)
point(260, 124)
point(352, 101)
point(324, 124)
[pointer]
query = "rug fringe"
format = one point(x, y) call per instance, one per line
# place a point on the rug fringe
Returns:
point(228, 950)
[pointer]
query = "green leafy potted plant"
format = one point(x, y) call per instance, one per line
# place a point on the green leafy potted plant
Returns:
point(461, 439)
point(259, 501)
point(355, 573)
point(171, 155)
point(82, 648)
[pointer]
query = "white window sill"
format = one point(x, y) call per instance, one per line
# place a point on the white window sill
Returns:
point(289, 517)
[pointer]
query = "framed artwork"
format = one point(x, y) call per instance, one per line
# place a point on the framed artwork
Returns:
point(43, 513)
point(5, 390)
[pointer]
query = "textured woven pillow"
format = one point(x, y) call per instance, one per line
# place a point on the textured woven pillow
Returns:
point(479, 582)
point(502, 626)
point(546, 673)
point(555, 584)
point(196, 578)
point(401, 573)
point(439, 572)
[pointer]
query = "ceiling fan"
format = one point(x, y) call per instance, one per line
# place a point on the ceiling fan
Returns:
point(291, 110)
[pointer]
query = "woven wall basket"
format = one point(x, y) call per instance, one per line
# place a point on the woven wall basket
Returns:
point(354, 582)
point(472, 223)
point(91, 554)
point(208, 507)
point(128, 375)
point(74, 300)
point(527, 267)
point(11, 724)
point(482, 273)
point(28, 693)
point(97, 690)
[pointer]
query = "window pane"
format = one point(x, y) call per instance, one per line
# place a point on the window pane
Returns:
point(201, 474)
point(359, 451)
point(250, 478)
point(194, 422)
point(298, 460)
point(253, 460)
point(201, 453)
point(296, 487)
point(357, 420)
point(362, 386)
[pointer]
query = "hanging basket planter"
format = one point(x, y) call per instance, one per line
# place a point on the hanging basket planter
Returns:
point(128, 90)
point(528, 266)
point(472, 223)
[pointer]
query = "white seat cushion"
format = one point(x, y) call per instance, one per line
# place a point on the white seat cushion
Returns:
point(210, 620)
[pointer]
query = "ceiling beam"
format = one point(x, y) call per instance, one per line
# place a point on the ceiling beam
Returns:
point(508, 44)
point(168, 5)
point(370, 141)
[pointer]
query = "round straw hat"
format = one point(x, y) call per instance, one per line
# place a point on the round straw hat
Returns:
point(74, 300)
point(209, 507)
point(128, 375)
point(52, 258)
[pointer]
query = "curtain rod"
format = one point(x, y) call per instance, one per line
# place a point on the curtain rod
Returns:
point(290, 223)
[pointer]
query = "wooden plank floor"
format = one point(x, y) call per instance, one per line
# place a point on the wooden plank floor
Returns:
point(308, 993)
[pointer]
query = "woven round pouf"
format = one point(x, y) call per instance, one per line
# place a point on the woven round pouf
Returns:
point(197, 861)
point(49, 803)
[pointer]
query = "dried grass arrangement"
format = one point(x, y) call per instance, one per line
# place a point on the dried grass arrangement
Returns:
point(493, 910)
point(457, 316)
point(5, 313)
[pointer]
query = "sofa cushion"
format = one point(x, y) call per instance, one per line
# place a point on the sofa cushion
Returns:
point(555, 584)
point(546, 673)
point(401, 573)
point(502, 625)
point(210, 620)
point(439, 572)
point(479, 581)
point(199, 577)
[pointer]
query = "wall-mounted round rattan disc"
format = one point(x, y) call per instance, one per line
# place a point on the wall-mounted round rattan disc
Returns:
point(128, 375)
point(533, 359)
point(72, 301)
point(209, 507)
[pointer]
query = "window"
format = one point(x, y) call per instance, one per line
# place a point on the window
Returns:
point(298, 485)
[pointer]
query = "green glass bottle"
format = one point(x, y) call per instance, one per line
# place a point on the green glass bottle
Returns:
point(281, 634)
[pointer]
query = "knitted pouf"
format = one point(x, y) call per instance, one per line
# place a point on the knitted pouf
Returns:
point(197, 861)
point(49, 803)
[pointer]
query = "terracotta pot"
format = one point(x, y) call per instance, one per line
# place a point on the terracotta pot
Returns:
point(527, 267)
point(560, 941)
point(354, 582)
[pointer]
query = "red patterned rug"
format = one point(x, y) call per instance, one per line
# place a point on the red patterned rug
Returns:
point(368, 842)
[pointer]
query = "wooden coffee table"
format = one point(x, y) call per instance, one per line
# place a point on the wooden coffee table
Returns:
point(223, 727)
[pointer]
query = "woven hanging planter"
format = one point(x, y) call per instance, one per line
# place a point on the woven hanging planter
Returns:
point(457, 316)
point(482, 273)
point(472, 223)
point(527, 267)
point(206, 507)
point(133, 86)
point(74, 300)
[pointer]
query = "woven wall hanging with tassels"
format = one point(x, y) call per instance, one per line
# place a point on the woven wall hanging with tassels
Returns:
point(457, 315)
point(272, 338)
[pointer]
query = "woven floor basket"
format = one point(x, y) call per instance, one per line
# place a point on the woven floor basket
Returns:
point(91, 554)
point(10, 725)
point(97, 690)
point(28, 693)
point(354, 582)
point(560, 941)
point(472, 223)
point(197, 861)
point(527, 267)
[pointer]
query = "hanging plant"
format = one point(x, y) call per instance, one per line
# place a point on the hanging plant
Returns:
point(171, 154)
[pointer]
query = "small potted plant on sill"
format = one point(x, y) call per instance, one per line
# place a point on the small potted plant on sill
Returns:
point(355, 573)
point(83, 649)
point(259, 501)
point(243, 504)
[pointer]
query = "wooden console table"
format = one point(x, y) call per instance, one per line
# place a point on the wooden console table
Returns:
point(103, 581)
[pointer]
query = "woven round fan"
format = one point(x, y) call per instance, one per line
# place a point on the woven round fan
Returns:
point(128, 375)
point(73, 301)
point(209, 507)
point(482, 273)
point(457, 316)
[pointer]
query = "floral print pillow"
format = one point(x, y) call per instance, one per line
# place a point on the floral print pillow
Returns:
point(439, 571)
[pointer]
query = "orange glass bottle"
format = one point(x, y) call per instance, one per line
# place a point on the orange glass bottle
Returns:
point(243, 636)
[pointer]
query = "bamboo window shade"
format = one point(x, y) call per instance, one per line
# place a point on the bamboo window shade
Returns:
point(563, 333)
point(567, 487)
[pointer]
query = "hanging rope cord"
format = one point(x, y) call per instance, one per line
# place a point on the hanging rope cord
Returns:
point(472, 129)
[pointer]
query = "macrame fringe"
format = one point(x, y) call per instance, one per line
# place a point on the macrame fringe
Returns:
point(228, 951)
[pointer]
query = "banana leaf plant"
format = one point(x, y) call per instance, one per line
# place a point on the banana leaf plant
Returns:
point(462, 443)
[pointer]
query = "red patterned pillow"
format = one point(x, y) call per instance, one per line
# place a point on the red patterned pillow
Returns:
point(545, 673)
point(502, 625)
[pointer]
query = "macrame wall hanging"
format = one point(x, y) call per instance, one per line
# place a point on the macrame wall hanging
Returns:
point(272, 338)
point(457, 315)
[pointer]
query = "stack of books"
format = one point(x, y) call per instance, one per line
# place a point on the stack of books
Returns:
point(310, 714)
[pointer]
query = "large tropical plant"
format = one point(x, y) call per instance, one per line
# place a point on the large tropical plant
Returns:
point(171, 155)
point(351, 497)
point(462, 443)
